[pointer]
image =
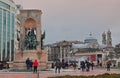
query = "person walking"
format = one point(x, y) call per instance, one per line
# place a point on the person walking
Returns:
point(92, 65)
point(57, 66)
point(87, 66)
point(35, 64)
point(108, 65)
point(74, 66)
point(82, 66)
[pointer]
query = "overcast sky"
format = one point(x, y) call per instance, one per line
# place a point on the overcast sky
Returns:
point(76, 19)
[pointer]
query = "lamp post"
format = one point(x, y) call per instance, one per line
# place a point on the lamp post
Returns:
point(60, 53)
point(70, 56)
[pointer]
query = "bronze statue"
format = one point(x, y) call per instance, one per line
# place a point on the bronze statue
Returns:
point(30, 40)
point(42, 38)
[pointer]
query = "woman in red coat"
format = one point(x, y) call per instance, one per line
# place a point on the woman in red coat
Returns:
point(35, 64)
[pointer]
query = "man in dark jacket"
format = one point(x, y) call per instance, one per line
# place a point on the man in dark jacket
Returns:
point(28, 63)
point(108, 65)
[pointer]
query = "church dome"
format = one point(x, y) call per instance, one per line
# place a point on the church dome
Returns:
point(90, 39)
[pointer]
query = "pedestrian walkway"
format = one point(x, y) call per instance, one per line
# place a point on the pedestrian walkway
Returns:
point(51, 73)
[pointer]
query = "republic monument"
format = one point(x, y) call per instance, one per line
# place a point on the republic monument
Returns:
point(31, 40)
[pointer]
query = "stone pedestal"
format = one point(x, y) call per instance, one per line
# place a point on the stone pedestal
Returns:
point(21, 56)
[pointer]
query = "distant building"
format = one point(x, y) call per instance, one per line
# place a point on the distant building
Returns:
point(7, 27)
point(91, 42)
point(90, 39)
point(90, 49)
point(64, 49)
point(117, 45)
point(60, 50)
point(117, 48)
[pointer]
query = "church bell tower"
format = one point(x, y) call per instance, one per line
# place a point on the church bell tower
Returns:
point(109, 39)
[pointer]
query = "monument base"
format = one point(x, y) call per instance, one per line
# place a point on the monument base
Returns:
point(21, 56)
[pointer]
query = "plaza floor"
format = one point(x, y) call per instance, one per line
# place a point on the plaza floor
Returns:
point(45, 74)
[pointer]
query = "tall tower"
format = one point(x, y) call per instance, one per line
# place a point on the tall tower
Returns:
point(109, 39)
point(104, 38)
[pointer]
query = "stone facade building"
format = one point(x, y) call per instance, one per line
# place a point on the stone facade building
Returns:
point(60, 50)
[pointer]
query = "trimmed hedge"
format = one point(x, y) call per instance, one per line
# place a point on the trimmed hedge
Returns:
point(106, 75)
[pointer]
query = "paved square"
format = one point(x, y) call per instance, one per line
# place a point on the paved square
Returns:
point(45, 74)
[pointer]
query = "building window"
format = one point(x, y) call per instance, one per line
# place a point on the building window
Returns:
point(4, 5)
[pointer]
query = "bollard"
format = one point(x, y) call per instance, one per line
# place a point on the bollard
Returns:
point(38, 74)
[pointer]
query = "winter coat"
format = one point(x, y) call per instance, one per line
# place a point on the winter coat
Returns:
point(35, 63)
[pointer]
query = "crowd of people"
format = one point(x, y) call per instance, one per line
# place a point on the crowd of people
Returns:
point(84, 66)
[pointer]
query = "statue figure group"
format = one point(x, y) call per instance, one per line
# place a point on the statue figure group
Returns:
point(42, 38)
point(30, 40)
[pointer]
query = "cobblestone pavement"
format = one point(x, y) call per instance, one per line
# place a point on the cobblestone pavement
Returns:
point(45, 74)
